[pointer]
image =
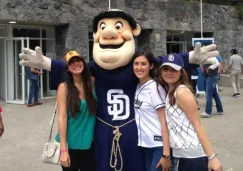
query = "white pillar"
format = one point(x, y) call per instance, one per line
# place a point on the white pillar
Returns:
point(109, 4)
point(201, 19)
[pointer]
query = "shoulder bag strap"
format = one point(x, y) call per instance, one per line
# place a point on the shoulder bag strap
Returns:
point(54, 115)
point(52, 121)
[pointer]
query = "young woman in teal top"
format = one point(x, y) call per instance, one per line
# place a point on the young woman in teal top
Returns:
point(76, 115)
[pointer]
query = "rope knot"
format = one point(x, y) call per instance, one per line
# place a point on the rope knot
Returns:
point(117, 134)
point(115, 149)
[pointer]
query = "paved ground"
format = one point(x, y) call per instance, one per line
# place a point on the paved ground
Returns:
point(26, 130)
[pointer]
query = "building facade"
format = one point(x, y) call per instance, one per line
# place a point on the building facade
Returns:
point(61, 25)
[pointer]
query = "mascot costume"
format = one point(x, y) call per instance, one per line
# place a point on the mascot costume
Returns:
point(116, 134)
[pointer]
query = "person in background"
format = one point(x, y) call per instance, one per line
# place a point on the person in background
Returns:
point(211, 78)
point(194, 77)
point(220, 69)
point(236, 69)
point(188, 138)
point(201, 66)
point(193, 72)
point(1, 123)
point(32, 76)
point(76, 101)
point(149, 107)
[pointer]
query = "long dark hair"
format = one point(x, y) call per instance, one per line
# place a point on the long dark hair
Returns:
point(150, 57)
point(152, 61)
point(184, 79)
point(73, 101)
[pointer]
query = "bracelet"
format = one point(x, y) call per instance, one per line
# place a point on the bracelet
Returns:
point(166, 157)
point(64, 150)
point(211, 157)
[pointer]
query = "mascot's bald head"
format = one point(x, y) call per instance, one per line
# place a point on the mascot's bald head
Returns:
point(114, 43)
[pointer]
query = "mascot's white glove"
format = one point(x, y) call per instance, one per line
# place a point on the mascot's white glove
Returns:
point(204, 55)
point(34, 59)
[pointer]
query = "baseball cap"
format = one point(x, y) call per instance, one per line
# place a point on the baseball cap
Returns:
point(70, 55)
point(173, 60)
point(234, 50)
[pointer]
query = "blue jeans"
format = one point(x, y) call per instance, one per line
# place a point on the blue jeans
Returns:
point(34, 91)
point(174, 163)
point(211, 92)
point(194, 164)
point(151, 157)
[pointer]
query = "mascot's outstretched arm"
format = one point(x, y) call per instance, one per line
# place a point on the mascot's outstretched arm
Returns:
point(203, 55)
point(200, 55)
point(34, 59)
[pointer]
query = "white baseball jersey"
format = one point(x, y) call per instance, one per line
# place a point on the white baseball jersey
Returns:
point(183, 137)
point(149, 97)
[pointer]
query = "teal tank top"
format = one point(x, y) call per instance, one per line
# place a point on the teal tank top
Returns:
point(80, 129)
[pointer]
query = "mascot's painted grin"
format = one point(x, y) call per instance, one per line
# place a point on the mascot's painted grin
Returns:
point(114, 42)
point(111, 46)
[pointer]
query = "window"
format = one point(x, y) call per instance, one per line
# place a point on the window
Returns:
point(48, 32)
point(25, 32)
point(180, 41)
point(175, 37)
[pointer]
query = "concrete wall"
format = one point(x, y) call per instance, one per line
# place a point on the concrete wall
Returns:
point(72, 19)
point(179, 15)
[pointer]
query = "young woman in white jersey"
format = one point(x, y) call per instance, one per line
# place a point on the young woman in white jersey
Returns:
point(188, 138)
point(149, 106)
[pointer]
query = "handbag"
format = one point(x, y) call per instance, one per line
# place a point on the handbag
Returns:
point(51, 152)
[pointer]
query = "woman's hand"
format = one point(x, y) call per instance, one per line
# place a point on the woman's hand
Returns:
point(65, 159)
point(164, 163)
point(214, 165)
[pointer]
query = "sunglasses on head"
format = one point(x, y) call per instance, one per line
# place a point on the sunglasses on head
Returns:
point(75, 59)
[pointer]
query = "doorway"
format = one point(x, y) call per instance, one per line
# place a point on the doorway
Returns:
point(43, 37)
point(15, 85)
point(14, 73)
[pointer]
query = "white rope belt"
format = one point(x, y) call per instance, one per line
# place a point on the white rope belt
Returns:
point(115, 149)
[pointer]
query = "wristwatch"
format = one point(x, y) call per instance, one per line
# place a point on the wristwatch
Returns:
point(166, 157)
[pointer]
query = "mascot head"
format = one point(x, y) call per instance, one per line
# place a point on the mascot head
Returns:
point(114, 44)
